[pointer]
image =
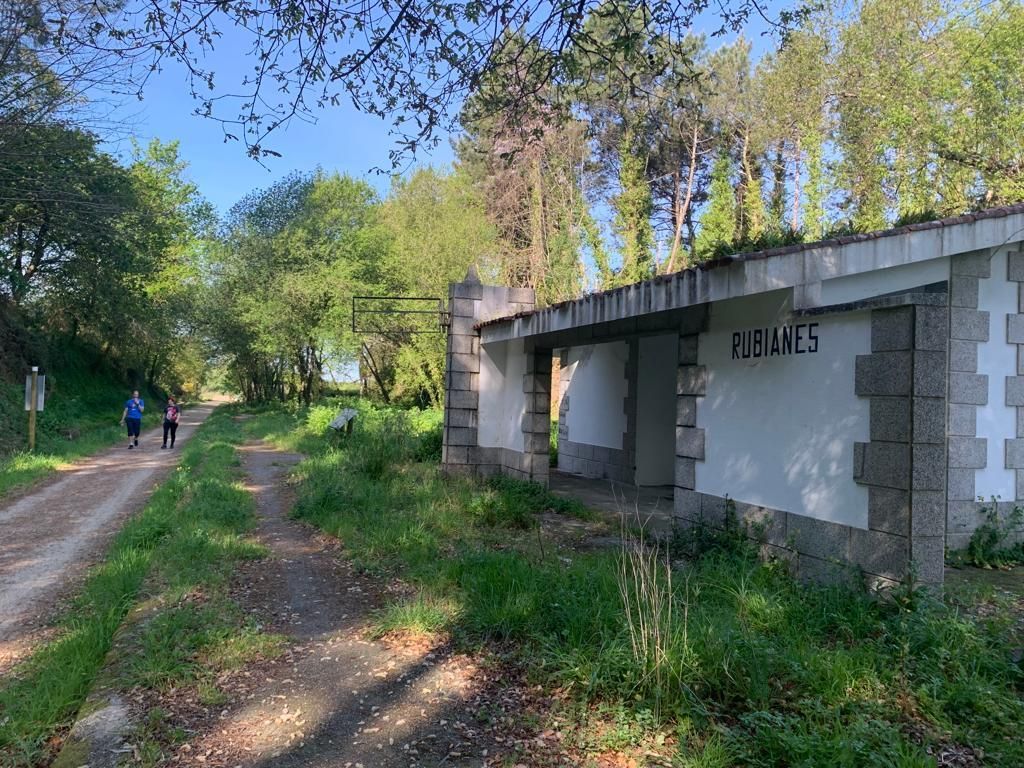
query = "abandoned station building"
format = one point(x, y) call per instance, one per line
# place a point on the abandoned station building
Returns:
point(854, 398)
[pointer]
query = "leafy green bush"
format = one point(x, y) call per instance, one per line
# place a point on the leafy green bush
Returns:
point(379, 442)
point(553, 444)
point(428, 426)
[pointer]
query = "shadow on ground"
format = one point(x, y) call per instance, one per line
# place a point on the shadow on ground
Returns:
point(337, 697)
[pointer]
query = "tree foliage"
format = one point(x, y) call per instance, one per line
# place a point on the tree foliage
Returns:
point(412, 62)
point(95, 251)
point(599, 144)
point(284, 273)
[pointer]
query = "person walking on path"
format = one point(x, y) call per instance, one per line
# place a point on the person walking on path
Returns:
point(172, 412)
point(132, 417)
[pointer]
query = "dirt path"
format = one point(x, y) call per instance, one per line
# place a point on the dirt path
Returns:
point(336, 698)
point(49, 536)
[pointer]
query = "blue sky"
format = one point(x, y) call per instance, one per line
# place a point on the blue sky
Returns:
point(341, 139)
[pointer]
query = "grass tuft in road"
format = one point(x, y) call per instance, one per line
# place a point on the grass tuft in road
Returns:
point(751, 668)
point(178, 553)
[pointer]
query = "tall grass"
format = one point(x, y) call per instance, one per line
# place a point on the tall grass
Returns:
point(188, 536)
point(750, 667)
point(305, 429)
point(649, 602)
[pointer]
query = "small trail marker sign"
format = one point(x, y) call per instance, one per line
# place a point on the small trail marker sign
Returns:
point(35, 390)
point(40, 392)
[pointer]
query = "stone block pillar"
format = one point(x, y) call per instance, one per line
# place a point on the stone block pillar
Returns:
point(1015, 384)
point(470, 303)
point(968, 389)
point(691, 383)
point(462, 376)
point(536, 425)
point(904, 464)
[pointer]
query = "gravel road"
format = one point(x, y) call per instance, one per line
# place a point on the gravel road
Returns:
point(50, 535)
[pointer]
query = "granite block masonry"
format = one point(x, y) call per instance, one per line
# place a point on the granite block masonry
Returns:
point(903, 465)
point(914, 367)
point(471, 302)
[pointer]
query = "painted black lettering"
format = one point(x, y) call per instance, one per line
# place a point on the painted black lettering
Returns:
point(745, 353)
point(813, 337)
point(758, 337)
point(800, 338)
point(775, 342)
point(787, 340)
point(735, 345)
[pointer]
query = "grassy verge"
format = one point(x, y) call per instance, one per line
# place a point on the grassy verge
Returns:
point(80, 418)
point(177, 555)
point(725, 659)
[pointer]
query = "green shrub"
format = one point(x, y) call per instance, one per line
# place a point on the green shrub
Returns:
point(429, 429)
point(553, 444)
point(987, 546)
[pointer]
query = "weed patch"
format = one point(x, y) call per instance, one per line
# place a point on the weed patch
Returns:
point(743, 664)
point(987, 547)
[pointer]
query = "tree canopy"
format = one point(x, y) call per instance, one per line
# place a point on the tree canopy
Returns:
point(597, 144)
point(412, 62)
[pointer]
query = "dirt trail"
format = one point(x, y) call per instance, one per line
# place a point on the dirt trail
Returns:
point(50, 535)
point(336, 698)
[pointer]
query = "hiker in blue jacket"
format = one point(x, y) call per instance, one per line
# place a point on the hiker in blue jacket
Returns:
point(132, 416)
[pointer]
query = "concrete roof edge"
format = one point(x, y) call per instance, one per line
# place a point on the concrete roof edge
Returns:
point(940, 226)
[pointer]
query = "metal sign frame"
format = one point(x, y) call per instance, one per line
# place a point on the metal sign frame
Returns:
point(443, 316)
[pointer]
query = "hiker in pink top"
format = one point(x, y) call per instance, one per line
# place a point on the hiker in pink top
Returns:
point(172, 412)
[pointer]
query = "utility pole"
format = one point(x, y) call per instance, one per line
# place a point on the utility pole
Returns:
point(32, 408)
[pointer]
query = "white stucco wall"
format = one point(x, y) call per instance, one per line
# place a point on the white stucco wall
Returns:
point(596, 392)
point(502, 401)
point(997, 421)
point(656, 410)
point(780, 429)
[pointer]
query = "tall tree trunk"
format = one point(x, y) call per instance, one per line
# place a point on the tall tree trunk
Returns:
point(368, 356)
point(742, 188)
point(153, 370)
point(538, 236)
point(691, 231)
point(682, 210)
point(19, 250)
point(795, 222)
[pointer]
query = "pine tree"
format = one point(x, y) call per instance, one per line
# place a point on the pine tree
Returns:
point(718, 222)
point(753, 213)
point(813, 223)
point(633, 208)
